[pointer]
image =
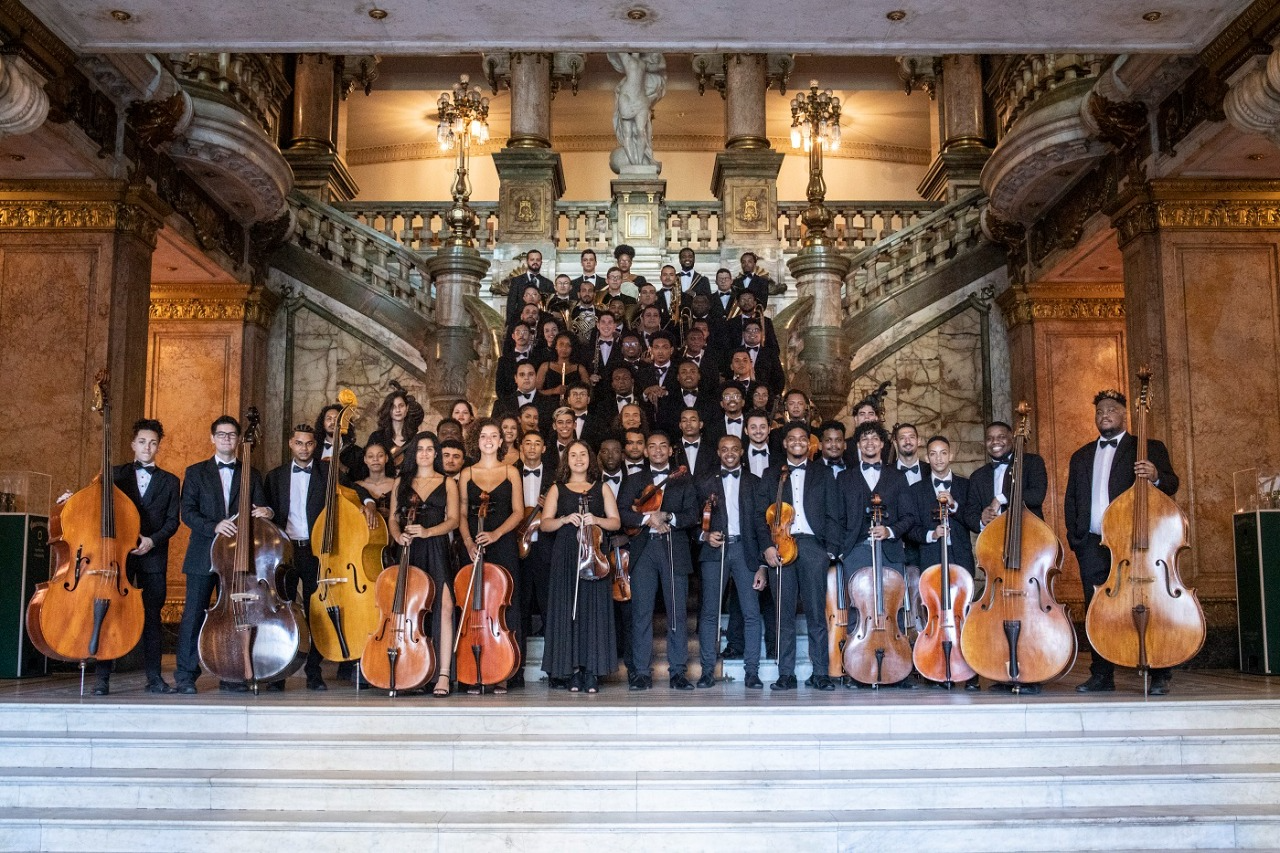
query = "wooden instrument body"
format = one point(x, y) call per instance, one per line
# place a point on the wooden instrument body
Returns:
point(89, 585)
point(250, 633)
point(937, 653)
point(399, 654)
point(344, 608)
point(837, 623)
point(483, 593)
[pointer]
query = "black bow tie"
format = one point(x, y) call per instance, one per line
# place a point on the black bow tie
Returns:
point(298, 470)
point(613, 478)
point(1114, 442)
point(533, 472)
point(870, 466)
point(725, 472)
point(733, 420)
point(755, 452)
point(691, 444)
point(231, 465)
point(138, 466)
point(914, 469)
point(941, 484)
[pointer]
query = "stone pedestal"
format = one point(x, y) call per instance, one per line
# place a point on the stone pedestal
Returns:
point(530, 181)
point(451, 352)
point(823, 368)
point(639, 217)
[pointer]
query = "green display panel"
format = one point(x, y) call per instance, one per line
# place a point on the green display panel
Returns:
point(24, 562)
point(1257, 541)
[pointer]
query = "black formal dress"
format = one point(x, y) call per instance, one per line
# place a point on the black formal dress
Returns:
point(587, 642)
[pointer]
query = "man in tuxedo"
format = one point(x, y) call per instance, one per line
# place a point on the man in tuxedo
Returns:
point(154, 492)
point(691, 281)
point(588, 261)
point(295, 493)
point(660, 559)
point(509, 362)
point(517, 283)
point(210, 490)
point(752, 282)
point(1098, 473)
point(533, 576)
point(524, 392)
point(733, 550)
point(990, 485)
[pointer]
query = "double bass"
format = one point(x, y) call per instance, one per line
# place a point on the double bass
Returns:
point(250, 633)
point(344, 607)
point(483, 593)
point(1018, 633)
point(946, 590)
point(399, 655)
point(1143, 616)
point(88, 609)
point(877, 652)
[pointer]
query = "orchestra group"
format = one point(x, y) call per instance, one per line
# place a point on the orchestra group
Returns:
point(641, 442)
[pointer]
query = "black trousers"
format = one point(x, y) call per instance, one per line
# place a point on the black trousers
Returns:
point(649, 574)
point(806, 579)
point(1095, 566)
point(306, 570)
point(734, 569)
point(200, 589)
point(154, 587)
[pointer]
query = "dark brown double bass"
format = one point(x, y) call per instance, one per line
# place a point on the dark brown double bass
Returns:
point(1018, 633)
point(1143, 616)
point(88, 610)
point(250, 634)
point(399, 655)
point(483, 594)
point(946, 590)
point(877, 652)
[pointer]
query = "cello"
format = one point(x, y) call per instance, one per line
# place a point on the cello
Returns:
point(1143, 616)
point(946, 590)
point(484, 594)
point(88, 609)
point(250, 634)
point(1018, 633)
point(878, 652)
point(399, 655)
point(344, 607)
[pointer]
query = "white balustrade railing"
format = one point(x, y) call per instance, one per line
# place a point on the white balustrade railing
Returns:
point(420, 225)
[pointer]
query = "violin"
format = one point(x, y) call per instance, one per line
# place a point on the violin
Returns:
point(651, 496)
point(780, 516)
point(1018, 633)
point(592, 562)
point(878, 652)
point(946, 591)
point(620, 562)
point(1143, 616)
point(484, 593)
point(251, 634)
point(399, 655)
point(88, 609)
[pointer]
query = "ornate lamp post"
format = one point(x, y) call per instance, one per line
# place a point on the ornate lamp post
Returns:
point(463, 116)
point(815, 125)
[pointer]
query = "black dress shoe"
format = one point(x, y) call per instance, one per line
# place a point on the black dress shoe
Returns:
point(186, 688)
point(159, 685)
point(102, 688)
point(1159, 685)
point(679, 682)
point(753, 682)
point(707, 680)
point(823, 682)
point(315, 682)
point(733, 653)
point(233, 687)
point(784, 682)
point(1097, 684)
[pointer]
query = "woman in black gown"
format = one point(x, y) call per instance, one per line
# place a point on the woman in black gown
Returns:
point(428, 538)
point(500, 482)
point(581, 648)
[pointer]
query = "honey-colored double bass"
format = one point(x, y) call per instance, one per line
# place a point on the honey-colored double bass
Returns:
point(1143, 616)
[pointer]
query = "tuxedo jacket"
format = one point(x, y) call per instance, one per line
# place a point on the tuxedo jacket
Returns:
point(759, 285)
point(751, 524)
point(925, 501)
point(1079, 498)
point(278, 487)
point(679, 498)
point(1035, 486)
point(515, 290)
point(896, 504)
point(822, 506)
point(203, 508)
point(158, 512)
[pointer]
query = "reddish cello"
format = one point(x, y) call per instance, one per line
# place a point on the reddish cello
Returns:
point(946, 590)
point(484, 593)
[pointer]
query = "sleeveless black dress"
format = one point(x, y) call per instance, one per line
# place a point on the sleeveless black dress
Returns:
point(589, 641)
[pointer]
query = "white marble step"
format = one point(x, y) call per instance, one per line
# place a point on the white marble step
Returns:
point(961, 831)
point(793, 791)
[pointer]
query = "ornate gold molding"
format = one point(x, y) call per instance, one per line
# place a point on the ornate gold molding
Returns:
point(1197, 205)
point(244, 303)
point(1020, 305)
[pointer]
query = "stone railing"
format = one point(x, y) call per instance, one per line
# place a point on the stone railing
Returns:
point(895, 263)
point(857, 225)
point(385, 266)
point(255, 82)
point(420, 225)
point(1019, 81)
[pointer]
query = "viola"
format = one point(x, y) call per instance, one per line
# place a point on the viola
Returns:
point(250, 634)
point(878, 652)
point(483, 593)
point(780, 516)
point(1143, 616)
point(88, 609)
point(620, 562)
point(946, 591)
point(1018, 633)
point(399, 655)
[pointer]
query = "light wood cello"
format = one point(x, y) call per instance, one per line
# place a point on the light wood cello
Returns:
point(1143, 616)
point(344, 607)
point(88, 610)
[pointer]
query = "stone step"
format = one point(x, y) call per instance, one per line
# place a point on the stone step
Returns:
point(960, 831)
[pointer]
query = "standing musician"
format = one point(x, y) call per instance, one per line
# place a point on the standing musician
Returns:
point(154, 492)
point(817, 529)
point(1098, 473)
point(992, 482)
point(296, 495)
point(210, 490)
point(659, 558)
point(731, 551)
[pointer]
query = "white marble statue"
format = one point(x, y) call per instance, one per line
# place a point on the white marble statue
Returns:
point(644, 82)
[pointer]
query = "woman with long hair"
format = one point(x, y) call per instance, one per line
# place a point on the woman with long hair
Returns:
point(428, 537)
point(399, 418)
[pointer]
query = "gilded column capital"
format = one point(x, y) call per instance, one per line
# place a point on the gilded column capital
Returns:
point(1026, 304)
point(240, 302)
point(1196, 205)
point(81, 205)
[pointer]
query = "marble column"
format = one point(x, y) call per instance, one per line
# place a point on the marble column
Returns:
point(822, 368)
point(957, 167)
point(312, 150)
point(1201, 283)
point(75, 268)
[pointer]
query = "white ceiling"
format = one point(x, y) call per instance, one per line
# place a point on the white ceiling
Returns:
point(839, 27)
